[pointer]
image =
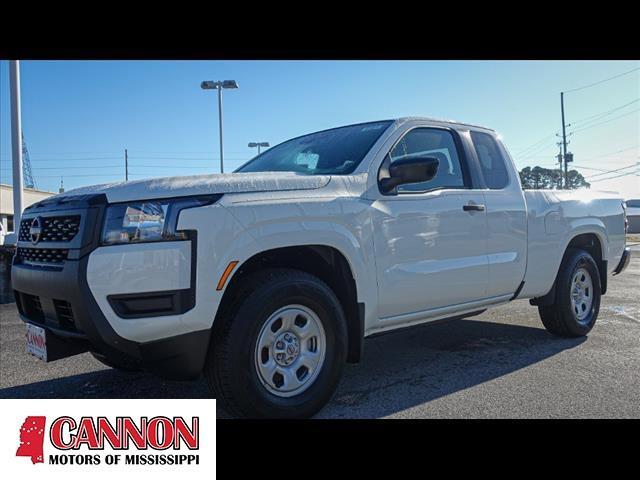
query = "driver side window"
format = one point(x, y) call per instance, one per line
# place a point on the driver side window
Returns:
point(432, 142)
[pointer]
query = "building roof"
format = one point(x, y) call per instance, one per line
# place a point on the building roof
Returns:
point(30, 196)
point(35, 190)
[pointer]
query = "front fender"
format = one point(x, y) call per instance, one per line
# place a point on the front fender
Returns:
point(237, 232)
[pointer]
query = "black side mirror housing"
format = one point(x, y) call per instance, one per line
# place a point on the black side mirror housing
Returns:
point(410, 169)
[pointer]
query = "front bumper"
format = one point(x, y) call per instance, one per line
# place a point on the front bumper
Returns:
point(57, 297)
point(624, 261)
point(61, 303)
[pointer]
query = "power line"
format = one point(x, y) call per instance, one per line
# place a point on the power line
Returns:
point(581, 167)
point(204, 159)
point(602, 155)
point(615, 176)
point(521, 151)
point(76, 175)
point(567, 157)
point(182, 152)
point(538, 150)
point(202, 167)
point(68, 168)
point(197, 159)
point(605, 121)
point(602, 81)
point(112, 166)
point(96, 154)
point(84, 159)
point(529, 149)
point(590, 168)
point(605, 172)
point(92, 152)
point(597, 116)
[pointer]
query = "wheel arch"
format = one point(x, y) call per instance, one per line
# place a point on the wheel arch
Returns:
point(323, 261)
point(592, 243)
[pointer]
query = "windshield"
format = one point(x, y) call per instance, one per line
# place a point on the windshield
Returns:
point(331, 152)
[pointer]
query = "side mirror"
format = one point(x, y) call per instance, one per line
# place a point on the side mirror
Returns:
point(410, 169)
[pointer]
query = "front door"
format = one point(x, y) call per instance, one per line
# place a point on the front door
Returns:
point(430, 238)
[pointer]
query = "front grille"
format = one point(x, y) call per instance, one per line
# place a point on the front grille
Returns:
point(42, 255)
point(53, 229)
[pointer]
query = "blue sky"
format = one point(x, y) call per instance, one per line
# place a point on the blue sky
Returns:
point(79, 116)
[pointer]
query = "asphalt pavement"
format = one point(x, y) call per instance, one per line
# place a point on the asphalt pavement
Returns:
point(501, 364)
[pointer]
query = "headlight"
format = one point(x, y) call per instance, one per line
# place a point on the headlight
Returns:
point(148, 221)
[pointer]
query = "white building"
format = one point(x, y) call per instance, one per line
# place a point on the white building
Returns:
point(29, 196)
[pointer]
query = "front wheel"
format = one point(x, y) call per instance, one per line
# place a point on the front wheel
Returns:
point(577, 300)
point(280, 349)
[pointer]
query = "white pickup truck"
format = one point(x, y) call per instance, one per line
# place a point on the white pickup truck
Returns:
point(270, 278)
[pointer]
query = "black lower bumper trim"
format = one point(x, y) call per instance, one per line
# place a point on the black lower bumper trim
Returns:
point(176, 358)
point(152, 304)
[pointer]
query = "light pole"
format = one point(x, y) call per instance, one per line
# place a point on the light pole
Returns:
point(16, 142)
point(258, 144)
point(219, 85)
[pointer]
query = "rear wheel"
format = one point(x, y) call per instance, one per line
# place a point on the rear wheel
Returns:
point(577, 297)
point(280, 350)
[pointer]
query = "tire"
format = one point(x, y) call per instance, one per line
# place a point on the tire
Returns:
point(121, 364)
point(574, 319)
point(240, 351)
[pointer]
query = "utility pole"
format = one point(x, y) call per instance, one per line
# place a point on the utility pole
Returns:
point(564, 142)
point(220, 128)
point(559, 158)
point(566, 156)
point(16, 142)
point(126, 166)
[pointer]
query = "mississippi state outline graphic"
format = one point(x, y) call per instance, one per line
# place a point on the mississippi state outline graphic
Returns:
point(31, 439)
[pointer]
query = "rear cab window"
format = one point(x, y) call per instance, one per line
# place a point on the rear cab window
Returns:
point(492, 162)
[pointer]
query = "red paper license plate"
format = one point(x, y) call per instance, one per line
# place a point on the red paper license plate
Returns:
point(37, 341)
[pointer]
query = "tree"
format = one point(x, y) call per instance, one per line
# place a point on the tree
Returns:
point(546, 178)
point(576, 180)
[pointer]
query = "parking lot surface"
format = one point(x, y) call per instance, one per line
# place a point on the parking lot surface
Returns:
point(496, 365)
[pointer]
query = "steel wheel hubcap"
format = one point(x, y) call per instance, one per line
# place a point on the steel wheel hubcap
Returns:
point(581, 294)
point(290, 350)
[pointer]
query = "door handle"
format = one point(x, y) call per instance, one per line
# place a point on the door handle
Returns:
point(473, 207)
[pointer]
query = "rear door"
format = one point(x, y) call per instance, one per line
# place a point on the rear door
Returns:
point(506, 214)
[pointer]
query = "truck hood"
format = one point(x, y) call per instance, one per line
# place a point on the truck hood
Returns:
point(203, 184)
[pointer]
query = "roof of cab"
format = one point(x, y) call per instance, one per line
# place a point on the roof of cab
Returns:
point(441, 120)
